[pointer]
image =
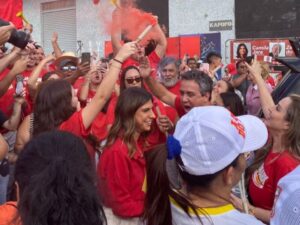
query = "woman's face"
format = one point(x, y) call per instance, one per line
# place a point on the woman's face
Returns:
point(277, 115)
point(242, 51)
point(133, 79)
point(96, 77)
point(144, 117)
point(221, 87)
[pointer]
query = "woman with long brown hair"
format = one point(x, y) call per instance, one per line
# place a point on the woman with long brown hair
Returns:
point(121, 169)
point(282, 153)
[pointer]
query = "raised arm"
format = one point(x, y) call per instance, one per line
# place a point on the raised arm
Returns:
point(32, 80)
point(156, 88)
point(161, 41)
point(85, 86)
point(8, 59)
point(5, 32)
point(265, 97)
point(106, 87)
point(13, 122)
point(19, 66)
point(55, 46)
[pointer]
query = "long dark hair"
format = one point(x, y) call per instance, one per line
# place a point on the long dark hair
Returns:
point(233, 103)
point(238, 55)
point(56, 182)
point(157, 201)
point(52, 105)
point(128, 103)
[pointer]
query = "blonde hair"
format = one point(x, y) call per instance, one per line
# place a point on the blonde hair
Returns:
point(265, 70)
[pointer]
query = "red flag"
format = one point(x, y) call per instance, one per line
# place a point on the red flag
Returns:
point(9, 10)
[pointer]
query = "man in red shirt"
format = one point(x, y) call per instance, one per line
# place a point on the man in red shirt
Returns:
point(195, 89)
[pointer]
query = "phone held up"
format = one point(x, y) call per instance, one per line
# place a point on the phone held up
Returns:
point(86, 57)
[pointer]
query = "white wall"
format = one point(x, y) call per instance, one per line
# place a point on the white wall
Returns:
point(193, 16)
point(89, 27)
point(185, 17)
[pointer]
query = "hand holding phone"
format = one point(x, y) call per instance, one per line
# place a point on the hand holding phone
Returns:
point(86, 57)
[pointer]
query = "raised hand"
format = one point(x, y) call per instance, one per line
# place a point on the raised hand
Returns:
point(5, 32)
point(20, 65)
point(54, 37)
point(144, 67)
point(126, 50)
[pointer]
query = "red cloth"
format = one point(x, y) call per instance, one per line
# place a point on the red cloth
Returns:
point(121, 180)
point(9, 10)
point(178, 106)
point(270, 80)
point(8, 212)
point(75, 125)
point(175, 89)
point(263, 182)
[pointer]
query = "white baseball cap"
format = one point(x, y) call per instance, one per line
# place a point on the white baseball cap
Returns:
point(286, 210)
point(211, 137)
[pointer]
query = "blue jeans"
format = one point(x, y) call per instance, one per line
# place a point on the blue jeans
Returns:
point(3, 188)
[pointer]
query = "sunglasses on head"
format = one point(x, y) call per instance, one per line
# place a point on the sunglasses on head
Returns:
point(69, 68)
point(131, 80)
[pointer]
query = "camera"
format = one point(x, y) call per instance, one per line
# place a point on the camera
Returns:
point(17, 38)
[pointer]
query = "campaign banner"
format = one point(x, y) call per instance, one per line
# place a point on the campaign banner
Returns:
point(261, 48)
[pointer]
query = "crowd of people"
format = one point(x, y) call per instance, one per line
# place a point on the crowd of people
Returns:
point(143, 138)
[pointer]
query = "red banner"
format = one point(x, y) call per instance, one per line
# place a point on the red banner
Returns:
point(262, 47)
point(9, 10)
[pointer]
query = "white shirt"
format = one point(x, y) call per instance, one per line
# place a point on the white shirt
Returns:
point(224, 215)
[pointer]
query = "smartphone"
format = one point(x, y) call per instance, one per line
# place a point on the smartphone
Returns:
point(19, 85)
point(86, 57)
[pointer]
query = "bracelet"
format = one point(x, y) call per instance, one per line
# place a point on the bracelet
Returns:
point(116, 60)
point(115, 67)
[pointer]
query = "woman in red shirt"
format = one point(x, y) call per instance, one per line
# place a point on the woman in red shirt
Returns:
point(281, 156)
point(57, 107)
point(121, 169)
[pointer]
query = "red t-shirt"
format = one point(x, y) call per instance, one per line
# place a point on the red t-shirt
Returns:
point(75, 125)
point(121, 180)
point(263, 182)
point(175, 89)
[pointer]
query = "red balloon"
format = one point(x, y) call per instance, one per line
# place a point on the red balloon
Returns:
point(96, 1)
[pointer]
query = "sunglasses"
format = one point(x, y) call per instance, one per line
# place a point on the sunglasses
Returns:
point(69, 68)
point(131, 80)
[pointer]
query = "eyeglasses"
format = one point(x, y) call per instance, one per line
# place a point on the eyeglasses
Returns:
point(131, 80)
point(69, 68)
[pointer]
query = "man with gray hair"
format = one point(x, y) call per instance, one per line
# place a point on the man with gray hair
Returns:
point(169, 75)
point(195, 89)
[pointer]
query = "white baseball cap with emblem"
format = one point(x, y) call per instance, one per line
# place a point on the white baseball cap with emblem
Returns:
point(211, 138)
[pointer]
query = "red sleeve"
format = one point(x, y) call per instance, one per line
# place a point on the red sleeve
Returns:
point(115, 167)
point(75, 125)
point(178, 107)
point(283, 166)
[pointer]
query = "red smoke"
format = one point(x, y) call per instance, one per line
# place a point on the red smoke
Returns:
point(130, 20)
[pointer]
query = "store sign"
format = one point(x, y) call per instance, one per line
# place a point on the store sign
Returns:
point(220, 25)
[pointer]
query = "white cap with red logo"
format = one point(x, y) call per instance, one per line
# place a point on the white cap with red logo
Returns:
point(211, 138)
